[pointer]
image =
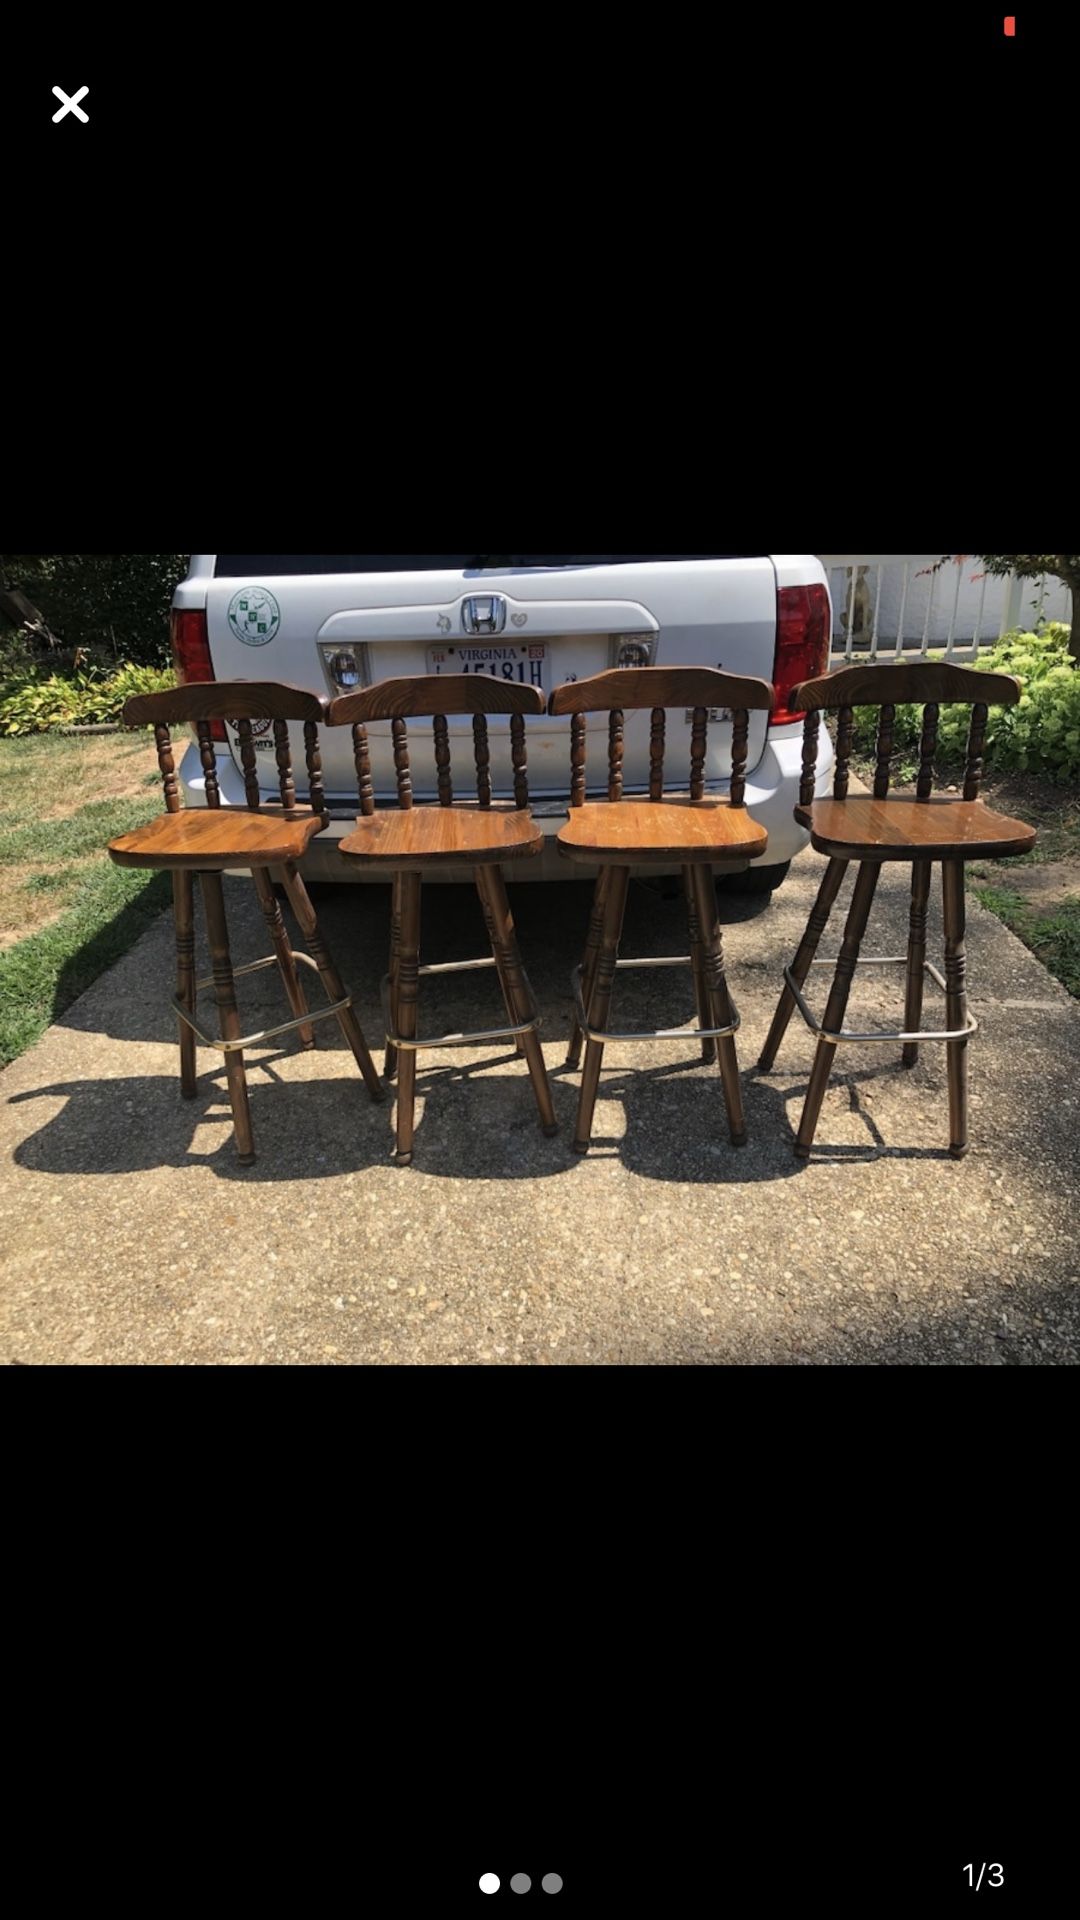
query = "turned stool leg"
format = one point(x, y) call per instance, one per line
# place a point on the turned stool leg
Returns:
point(718, 998)
point(588, 972)
point(492, 925)
point(865, 889)
point(405, 1022)
point(184, 917)
point(916, 974)
point(492, 891)
point(228, 1013)
point(804, 959)
point(956, 1009)
point(287, 967)
point(697, 956)
point(307, 920)
point(598, 1005)
point(391, 1066)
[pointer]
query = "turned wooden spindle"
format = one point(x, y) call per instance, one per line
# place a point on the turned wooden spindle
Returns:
point(286, 783)
point(168, 768)
point(401, 764)
point(616, 752)
point(980, 715)
point(483, 760)
point(740, 755)
point(519, 751)
point(699, 748)
point(885, 744)
point(845, 747)
point(209, 763)
point(313, 756)
point(927, 751)
point(657, 749)
point(811, 734)
point(249, 760)
point(442, 761)
point(579, 748)
point(364, 781)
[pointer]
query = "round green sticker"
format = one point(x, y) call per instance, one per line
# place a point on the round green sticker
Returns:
point(254, 616)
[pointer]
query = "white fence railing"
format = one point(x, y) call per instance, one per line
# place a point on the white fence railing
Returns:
point(893, 606)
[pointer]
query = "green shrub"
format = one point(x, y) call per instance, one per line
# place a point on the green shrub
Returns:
point(1041, 735)
point(112, 606)
point(38, 702)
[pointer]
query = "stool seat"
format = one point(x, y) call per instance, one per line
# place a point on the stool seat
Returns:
point(637, 832)
point(433, 836)
point(212, 839)
point(862, 828)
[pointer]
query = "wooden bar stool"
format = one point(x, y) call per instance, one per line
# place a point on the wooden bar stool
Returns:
point(208, 841)
point(865, 831)
point(414, 841)
point(694, 833)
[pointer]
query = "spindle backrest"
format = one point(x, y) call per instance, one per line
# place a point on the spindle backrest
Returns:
point(659, 689)
point(930, 684)
point(243, 702)
point(438, 697)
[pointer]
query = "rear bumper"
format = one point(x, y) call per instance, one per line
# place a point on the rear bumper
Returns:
point(772, 794)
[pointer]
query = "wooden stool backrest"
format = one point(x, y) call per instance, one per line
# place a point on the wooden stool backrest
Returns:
point(632, 689)
point(242, 701)
point(928, 683)
point(438, 697)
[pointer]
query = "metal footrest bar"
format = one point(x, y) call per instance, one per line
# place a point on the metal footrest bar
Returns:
point(491, 1038)
point(691, 1032)
point(847, 1038)
point(269, 1033)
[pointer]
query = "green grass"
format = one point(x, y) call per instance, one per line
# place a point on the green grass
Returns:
point(1054, 937)
point(81, 912)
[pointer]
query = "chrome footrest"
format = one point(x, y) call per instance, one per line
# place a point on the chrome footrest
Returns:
point(269, 1033)
point(691, 1032)
point(492, 1037)
point(847, 1038)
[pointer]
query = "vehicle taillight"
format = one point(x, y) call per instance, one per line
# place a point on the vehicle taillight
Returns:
point(803, 644)
point(190, 634)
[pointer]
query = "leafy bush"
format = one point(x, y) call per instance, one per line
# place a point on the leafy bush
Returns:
point(1041, 735)
point(112, 606)
point(36, 702)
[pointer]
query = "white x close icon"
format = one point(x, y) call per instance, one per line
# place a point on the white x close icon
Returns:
point(71, 104)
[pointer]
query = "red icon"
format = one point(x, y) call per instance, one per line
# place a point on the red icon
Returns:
point(1010, 26)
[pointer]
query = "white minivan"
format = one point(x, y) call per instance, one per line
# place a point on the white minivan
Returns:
point(334, 622)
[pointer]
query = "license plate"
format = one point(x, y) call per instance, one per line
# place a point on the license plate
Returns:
point(521, 666)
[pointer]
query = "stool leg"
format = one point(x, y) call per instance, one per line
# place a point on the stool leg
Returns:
point(290, 976)
point(225, 987)
point(184, 917)
point(916, 974)
point(391, 1066)
point(308, 922)
point(697, 956)
point(588, 971)
point(598, 1004)
point(804, 959)
point(492, 891)
point(956, 1004)
point(407, 1002)
point(718, 998)
point(865, 889)
point(491, 924)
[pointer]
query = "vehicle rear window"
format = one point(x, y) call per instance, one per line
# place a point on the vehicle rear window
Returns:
point(233, 566)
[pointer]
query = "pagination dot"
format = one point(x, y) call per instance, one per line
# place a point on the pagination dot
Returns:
point(521, 1883)
point(490, 1883)
point(552, 1883)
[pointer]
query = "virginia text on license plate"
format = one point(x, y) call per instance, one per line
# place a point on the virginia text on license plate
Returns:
point(523, 665)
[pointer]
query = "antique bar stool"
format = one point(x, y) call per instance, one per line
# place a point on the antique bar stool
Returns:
point(412, 841)
point(694, 834)
point(208, 841)
point(867, 830)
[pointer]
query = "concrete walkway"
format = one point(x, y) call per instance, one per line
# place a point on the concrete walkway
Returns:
point(131, 1236)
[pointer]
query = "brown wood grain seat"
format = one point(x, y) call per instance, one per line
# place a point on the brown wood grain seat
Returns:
point(694, 833)
point(640, 831)
point(431, 836)
point(214, 841)
point(939, 828)
point(196, 843)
